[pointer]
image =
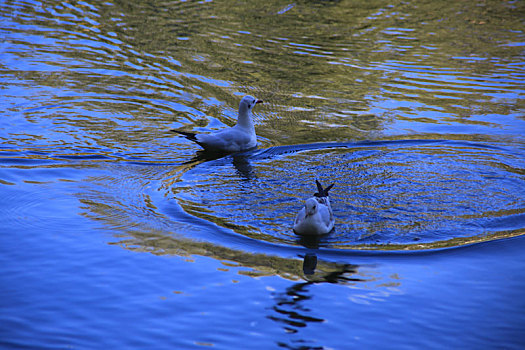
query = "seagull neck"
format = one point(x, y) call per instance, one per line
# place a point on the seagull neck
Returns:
point(245, 120)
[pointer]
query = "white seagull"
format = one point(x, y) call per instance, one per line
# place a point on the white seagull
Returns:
point(316, 217)
point(240, 137)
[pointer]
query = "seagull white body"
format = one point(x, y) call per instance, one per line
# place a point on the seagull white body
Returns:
point(238, 138)
point(316, 217)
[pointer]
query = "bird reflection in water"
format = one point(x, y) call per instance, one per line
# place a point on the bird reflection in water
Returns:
point(311, 242)
point(290, 310)
point(309, 264)
point(240, 161)
point(291, 306)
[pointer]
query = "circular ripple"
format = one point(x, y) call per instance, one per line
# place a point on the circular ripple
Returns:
point(387, 195)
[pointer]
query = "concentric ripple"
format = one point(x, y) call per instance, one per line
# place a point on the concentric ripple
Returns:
point(387, 195)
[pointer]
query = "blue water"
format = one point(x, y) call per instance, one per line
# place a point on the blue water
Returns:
point(115, 233)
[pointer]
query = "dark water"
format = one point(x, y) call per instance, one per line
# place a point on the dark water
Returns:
point(116, 234)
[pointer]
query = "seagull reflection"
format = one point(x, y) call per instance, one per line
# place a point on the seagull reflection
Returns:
point(310, 259)
point(310, 241)
point(240, 160)
point(291, 307)
point(328, 272)
point(309, 264)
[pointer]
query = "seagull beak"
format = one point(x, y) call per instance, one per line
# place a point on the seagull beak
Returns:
point(258, 101)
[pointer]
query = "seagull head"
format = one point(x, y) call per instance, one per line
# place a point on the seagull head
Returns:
point(247, 103)
point(311, 206)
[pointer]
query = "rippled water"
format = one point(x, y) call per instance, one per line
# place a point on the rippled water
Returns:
point(386, 194)
point(116, 233)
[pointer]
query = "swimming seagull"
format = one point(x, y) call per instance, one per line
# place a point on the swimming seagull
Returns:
point(240, 137)
point(316, 217)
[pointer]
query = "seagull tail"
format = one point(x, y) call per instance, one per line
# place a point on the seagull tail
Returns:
point(189, 135)
point(322, 192)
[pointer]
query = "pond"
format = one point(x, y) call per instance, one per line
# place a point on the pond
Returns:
point(117, 233)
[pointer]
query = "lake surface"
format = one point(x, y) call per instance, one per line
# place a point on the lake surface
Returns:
point(116, 233)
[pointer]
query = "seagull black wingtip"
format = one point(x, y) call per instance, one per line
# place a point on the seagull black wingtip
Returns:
point(189, 135)
point(322, 192)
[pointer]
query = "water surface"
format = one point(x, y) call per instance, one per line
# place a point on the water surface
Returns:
point(116, 233)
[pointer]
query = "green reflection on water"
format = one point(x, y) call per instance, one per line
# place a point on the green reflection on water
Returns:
point(337, 70)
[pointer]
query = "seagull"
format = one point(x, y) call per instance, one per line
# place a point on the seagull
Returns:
point(240, 137)
point(316, 217)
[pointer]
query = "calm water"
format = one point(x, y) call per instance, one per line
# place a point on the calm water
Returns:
point(115, 233)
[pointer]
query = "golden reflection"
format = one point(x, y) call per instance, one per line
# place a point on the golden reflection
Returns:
point(310, 269)
point(258, 264)
point(330, 71)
